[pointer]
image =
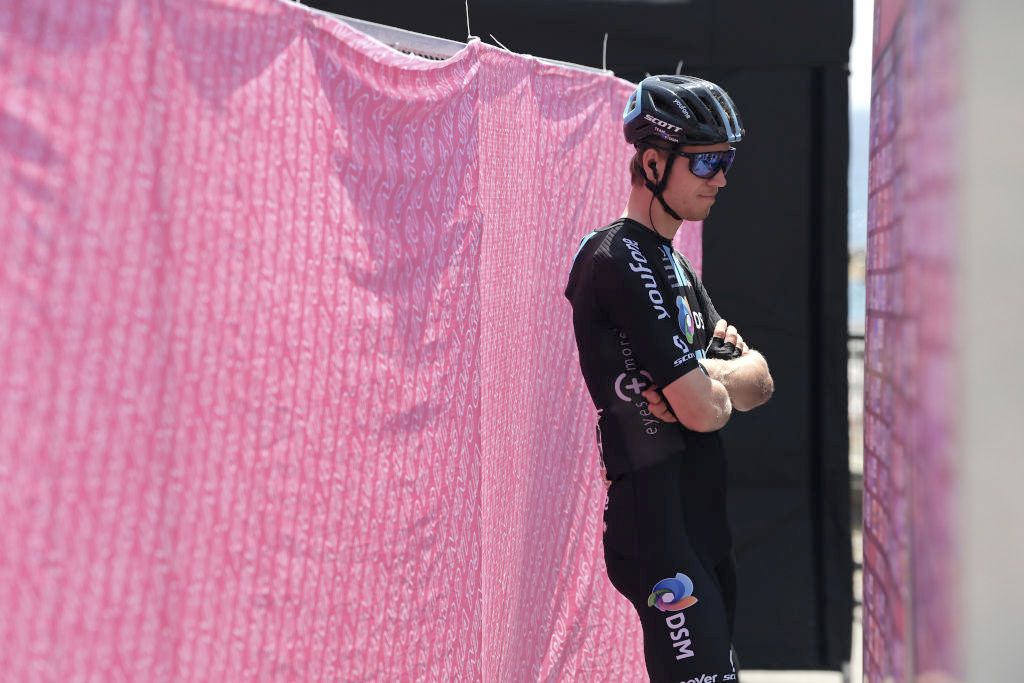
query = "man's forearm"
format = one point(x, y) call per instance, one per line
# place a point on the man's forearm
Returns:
point(721, 406)
point(746, 378)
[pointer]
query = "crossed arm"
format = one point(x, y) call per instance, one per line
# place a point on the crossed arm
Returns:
point(746, 381)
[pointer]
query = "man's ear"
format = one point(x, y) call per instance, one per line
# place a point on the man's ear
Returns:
point(651, 162)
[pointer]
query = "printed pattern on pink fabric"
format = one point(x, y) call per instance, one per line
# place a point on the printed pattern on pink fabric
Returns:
point(288, 387)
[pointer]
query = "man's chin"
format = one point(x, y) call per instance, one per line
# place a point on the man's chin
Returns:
point(697, 215)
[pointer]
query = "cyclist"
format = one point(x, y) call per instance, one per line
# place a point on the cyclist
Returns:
point(665, 372)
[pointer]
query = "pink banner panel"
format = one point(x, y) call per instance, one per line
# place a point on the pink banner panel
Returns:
point(538, 494)
point(288, 386)
point(910, 576)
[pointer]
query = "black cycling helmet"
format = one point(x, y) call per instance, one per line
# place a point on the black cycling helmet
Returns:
point(680, 110)
point(668, 112)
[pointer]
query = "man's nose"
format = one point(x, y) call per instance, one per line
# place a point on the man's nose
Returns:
point(718, 180)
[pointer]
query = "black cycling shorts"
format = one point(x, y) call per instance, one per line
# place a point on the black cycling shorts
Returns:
point(682, 586)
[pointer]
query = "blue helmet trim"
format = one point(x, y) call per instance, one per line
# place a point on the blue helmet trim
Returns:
point(630, 114)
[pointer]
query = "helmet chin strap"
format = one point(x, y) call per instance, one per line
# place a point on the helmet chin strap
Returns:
point(657, 190)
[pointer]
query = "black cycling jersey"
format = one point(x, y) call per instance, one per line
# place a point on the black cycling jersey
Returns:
point(641, 315)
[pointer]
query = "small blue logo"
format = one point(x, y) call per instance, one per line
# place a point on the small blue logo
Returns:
point(672, 595)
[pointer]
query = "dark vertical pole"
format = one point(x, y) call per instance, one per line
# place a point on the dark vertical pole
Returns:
point(817, 451)
point(829, 455)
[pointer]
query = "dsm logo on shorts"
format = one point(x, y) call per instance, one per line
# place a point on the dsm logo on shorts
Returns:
point(672, 595)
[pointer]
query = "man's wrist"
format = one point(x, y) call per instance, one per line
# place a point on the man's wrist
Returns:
point(717, 368)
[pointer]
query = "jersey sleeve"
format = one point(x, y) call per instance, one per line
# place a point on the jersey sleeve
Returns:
point(635, 296)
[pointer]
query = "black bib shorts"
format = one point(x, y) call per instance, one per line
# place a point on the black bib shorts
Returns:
point(681, 583)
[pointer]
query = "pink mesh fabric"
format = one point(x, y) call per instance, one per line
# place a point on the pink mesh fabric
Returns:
point(288, 387)
point(910, 508)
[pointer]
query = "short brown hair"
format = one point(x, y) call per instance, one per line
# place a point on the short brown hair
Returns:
point(637, 172)
point(637, 176)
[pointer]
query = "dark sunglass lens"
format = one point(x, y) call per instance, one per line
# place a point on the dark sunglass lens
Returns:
point(730, 156)
point(708, 164)
point(705, 165)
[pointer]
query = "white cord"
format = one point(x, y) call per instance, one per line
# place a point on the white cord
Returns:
point(498, 42)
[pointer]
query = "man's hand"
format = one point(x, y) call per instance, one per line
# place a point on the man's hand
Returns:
point(726, 343)
point(657, 404)
point(742, 370)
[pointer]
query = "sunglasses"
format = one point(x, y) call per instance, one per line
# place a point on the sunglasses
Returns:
point(706, 164)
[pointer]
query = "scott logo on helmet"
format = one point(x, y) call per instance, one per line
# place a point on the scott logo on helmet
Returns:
point(663, 124)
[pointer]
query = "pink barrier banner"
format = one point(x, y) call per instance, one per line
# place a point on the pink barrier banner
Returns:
point(910, 508)
point(288, 386)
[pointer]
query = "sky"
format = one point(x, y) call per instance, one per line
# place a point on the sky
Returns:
point(860, 54)
point(860, 107)
point(860, 117)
